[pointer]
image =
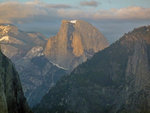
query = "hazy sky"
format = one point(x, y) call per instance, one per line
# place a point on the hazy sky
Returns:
point(103, 4)
point(112, 17)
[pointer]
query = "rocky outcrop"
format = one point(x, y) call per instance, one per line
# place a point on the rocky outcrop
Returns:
point(36, 72)
point(12, 99)
point(75, 42)
point(38, 75)
point(15, 43)
point(41, 67)
point(115, 80)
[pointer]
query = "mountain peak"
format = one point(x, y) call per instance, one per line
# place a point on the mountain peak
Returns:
point(70, 21)
point(122, 69)
point(76, 41)
point(6, 28)
point(137, 35)
point(73, 21)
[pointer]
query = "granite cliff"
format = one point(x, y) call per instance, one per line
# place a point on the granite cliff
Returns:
point(115, 80)
point(41, 67)
point(25, 49)
point(75, 42)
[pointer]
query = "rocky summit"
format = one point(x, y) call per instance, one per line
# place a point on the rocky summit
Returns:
point(16, 43)
point(41, 63)
point(75, 42)
point(12, 99)
point(115, 80)
point(25, 49)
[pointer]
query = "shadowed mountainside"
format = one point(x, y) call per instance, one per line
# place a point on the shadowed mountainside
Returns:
point(12, 99)
point(115, 80)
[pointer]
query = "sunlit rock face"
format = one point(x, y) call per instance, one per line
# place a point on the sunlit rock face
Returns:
point(114, 80)
point(41, 67)
point(37, 73)
point(12, 99)
point(75, 42)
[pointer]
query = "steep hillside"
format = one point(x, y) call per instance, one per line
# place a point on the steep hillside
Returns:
point(12, 99)
point(41, 67)
point(115, 80)
point(37, 74)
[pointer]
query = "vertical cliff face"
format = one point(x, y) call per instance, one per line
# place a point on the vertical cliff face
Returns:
point(12, 99)
point(115, 80)
point(25, 49)
point(137, 74)
point(75, 42)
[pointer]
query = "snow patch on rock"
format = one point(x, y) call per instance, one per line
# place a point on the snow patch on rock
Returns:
point(73, 21)
point(35, 51)
point(58, 65)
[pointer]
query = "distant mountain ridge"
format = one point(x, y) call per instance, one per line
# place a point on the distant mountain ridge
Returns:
point(15, 43)
point(24, 49)
point(75, 42)
point(115, 80)
point(41, 63)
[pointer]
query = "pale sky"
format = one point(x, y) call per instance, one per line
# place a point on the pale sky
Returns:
point(112, 17)
point(103, 4)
